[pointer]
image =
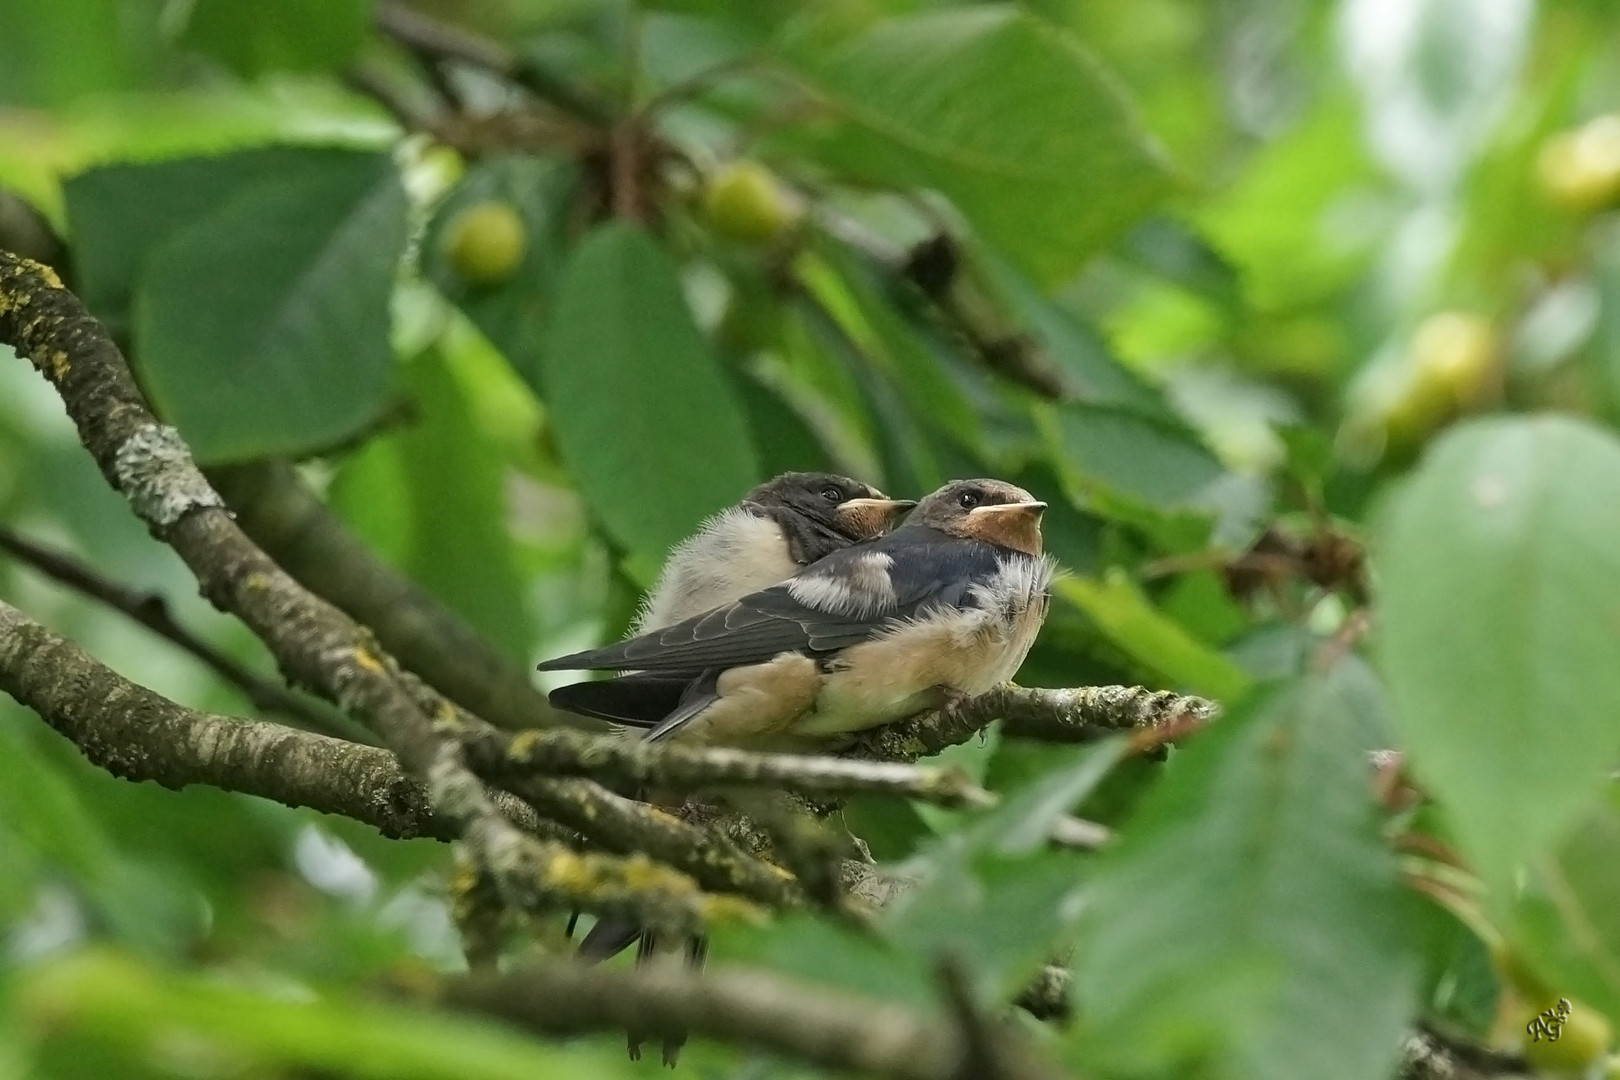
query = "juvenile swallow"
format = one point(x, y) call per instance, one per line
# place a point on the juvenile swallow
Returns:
point(945, 606)
point(778, 528)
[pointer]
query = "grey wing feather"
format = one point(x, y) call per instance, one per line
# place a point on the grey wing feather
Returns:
point(927, 569)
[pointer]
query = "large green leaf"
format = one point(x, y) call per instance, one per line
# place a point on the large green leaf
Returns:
point(1129, 619)
point(992, 894)
point(1566, 922)
point(999, 110)
point(1500, 592)
point(278, 35)
point(432, 497)
point(643, 415)
point(1093, 373)
point(261, 327)
point(1250, 917)
point(1120, 452)
point(119, 213)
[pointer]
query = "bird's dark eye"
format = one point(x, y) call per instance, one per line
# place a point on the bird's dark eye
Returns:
point(967, 500)
point(832, 494)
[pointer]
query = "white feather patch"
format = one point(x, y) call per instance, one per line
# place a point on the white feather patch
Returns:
point(859, 589)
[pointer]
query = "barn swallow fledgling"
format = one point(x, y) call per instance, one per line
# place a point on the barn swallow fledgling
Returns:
point(778, 528)
point(946, 605)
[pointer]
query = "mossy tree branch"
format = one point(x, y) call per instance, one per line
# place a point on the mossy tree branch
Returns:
point(152, 612)
point(316, 644)
point(1076, 714)
point(836, 1031)
point(296, 529)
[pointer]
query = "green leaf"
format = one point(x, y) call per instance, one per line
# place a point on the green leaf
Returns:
point(1566, 923)
point(1001, 111)
point(634, 393)
point(817, 951)
point(890, 828)
point(278, 35)
point(1175, 252)
point(261, 327)
point(262, 280)
point(54, 52)
point(513, 313)
point(1250, 918)
point(115, 1000)
point(786, 442)
point(119, 213)
point(1091, 368)
point(432, 496)
point(1142, 460)
point(1130, 620)
point(1501, 598)
point(992, 894)
point(854, 299)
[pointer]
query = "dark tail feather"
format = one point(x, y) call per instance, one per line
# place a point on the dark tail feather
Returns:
point(637, 700)
point(608, 938)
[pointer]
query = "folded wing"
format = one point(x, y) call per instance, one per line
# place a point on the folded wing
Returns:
point(839, 601)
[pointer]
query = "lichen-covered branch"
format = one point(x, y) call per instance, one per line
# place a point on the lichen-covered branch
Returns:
point(298, 530)
point(152, 612)
point(832, 1030)
point(315, 643)
point(1047, 995)
point(1077, 714)
point(628, 827)
point(137, 734)
point(566, 753)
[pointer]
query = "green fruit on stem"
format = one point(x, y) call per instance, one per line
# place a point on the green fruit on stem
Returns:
point(486, 242)
point(744, 202)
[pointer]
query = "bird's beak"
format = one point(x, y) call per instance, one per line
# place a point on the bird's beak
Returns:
point(1013, 525)
point(865, 519)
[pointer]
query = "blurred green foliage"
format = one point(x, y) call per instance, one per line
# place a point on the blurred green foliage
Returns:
point(1225, 283)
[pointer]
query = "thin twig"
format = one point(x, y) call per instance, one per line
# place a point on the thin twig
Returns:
point(669, 765)
point(371, 81)
point(152, 612)
point(428, 37)
point(302, 534)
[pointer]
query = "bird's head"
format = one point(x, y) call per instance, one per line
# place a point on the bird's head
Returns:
point(850, 508)
point(993, 511)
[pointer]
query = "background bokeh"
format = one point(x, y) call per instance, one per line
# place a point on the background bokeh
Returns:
point(1241, 288)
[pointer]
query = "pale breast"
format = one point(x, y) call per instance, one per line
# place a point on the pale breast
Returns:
point(735, 553)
